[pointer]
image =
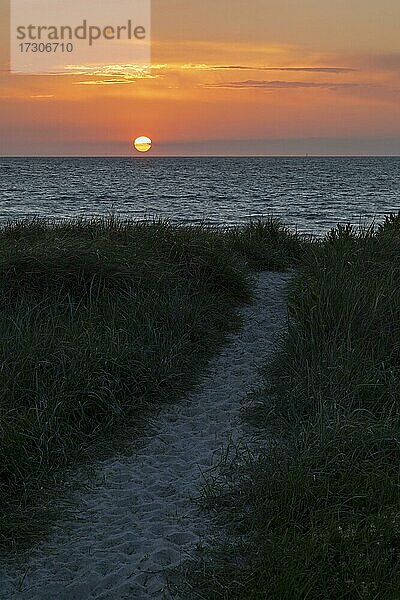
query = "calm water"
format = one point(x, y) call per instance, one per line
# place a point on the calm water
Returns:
point(313, 194)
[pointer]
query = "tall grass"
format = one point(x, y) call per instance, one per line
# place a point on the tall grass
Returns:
point(266, 245)
point(100, 321)
point(317, 513)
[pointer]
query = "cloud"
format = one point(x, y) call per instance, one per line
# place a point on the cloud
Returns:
point(276, 85)
point(115, 74)
point(112, 69)
point(42, 96)
point(105, 82)
point(297, 69)
point(204, 67)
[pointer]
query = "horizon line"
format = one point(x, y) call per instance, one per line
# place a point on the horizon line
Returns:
point(152, 156)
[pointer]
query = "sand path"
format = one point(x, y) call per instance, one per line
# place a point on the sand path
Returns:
point(138, 517)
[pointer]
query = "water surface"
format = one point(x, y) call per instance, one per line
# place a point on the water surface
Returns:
point(312, 194)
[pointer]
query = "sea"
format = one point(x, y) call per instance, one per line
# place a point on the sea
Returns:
point(309, 194)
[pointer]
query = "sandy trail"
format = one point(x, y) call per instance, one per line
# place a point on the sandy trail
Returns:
point(138, 517)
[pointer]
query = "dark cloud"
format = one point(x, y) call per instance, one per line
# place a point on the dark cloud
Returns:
point(294, 69)
point(276, 85)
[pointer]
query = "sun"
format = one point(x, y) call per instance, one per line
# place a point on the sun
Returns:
point(142, 143)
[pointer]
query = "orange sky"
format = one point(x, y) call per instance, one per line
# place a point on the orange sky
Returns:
point(227, 77)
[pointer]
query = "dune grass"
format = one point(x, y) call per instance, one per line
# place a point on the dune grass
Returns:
point(317, 514)
point(266, 245)
point(101, 321)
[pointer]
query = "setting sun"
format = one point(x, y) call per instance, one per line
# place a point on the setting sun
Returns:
point(142, 144)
